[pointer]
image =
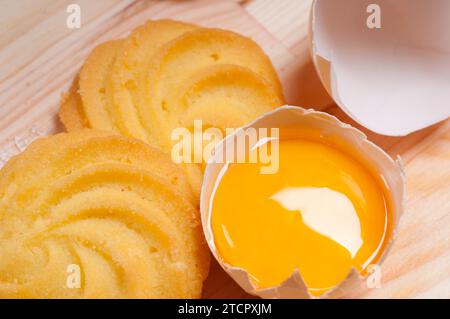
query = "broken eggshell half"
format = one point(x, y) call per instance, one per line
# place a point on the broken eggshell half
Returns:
point(385, 63)
point(292, 116)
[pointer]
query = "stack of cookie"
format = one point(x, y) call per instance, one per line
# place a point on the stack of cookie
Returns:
point(165, 75)
point(113, 207)
point(102, 211)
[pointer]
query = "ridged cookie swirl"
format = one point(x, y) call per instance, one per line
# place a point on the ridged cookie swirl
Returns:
point(165, 75)
point(110, 205)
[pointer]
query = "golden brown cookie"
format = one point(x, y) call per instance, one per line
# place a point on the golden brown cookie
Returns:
point(168, 74)
point(107, 206)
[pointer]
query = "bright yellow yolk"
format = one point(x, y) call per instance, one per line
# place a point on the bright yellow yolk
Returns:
point(323, 212)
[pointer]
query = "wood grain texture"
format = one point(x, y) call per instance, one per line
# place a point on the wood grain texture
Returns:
point(39, 57)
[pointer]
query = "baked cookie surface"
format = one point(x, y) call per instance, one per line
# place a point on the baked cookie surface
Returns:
point(167, 74)
point(110, 208)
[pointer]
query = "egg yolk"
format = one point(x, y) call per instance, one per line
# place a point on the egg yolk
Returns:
point(323, 212)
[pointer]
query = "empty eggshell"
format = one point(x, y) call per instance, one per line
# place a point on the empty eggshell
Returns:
point(288, 116)
point(385, 63)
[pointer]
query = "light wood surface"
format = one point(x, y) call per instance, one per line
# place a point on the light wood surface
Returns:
point(39, 56)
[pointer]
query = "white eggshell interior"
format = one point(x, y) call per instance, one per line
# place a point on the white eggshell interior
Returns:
point(393, 80)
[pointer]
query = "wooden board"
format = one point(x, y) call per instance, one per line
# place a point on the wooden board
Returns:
point(39, 56)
